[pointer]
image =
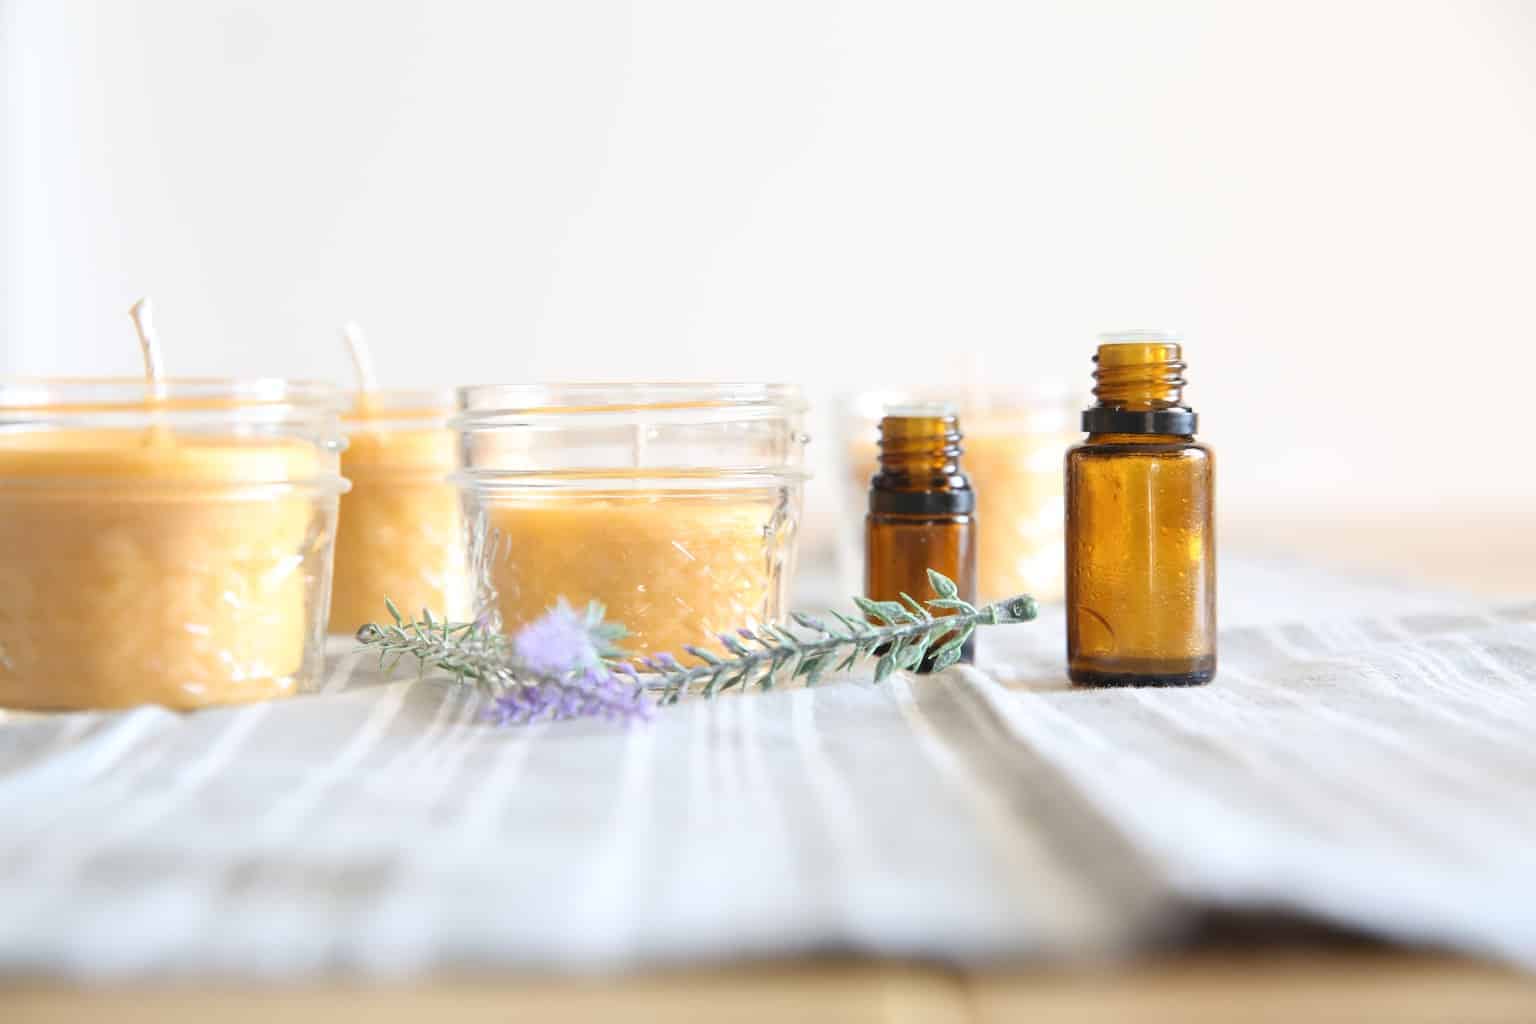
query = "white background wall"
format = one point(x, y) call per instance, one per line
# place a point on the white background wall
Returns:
point(1335, 201)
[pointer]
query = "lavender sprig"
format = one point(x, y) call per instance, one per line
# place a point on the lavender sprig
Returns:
point(566, 664)
point(561, 665)
point(908, 633)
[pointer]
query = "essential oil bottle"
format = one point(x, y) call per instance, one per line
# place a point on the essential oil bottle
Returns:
point(1141, 544)
point(922, 510)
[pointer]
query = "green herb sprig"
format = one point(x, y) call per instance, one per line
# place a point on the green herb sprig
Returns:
point(568, 663)
point(907, 632)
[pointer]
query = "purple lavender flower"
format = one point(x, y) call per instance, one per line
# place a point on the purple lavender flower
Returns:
point(557, 642)
point(596, 693)
point(564, 653)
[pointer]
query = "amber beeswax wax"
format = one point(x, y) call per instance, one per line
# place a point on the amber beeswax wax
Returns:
point(1017, 475)
point(399, 535)
point(674, 569)
point(139, 567)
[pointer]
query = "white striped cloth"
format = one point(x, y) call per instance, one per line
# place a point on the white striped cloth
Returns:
point(1366, 757)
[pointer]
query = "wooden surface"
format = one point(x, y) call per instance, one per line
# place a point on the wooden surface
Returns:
point(1490, 549)
point(1357, 986)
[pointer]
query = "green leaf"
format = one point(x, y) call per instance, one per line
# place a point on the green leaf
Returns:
point(595, 612)
point(734, 679)
point(889, 612)
point(955, 604)
point(945, 658)
point(393, 611)
point(809, 622)
point(884, 667)
point(942, 585)
point(955, 642)
point(784, 636)
point(701, 654)
point(767, 643)
point(872, 609)
point(912, 655)
point(917, 609)
point(854, 626)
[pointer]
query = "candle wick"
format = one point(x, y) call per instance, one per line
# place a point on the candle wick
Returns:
point(142, 313)
point(362, 357)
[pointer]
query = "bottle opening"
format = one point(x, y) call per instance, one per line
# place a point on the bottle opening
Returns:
point(1139, 384)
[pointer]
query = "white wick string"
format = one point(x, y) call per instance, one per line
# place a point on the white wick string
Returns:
point(142, 313)
point(362, 358)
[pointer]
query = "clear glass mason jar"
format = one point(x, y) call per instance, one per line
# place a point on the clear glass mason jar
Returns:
point(400, 534)
point(675, 505)
point(174, 552)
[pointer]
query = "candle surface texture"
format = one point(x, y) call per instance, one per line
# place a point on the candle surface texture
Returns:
point(1018, 479)
point(399, 534)
point(144, 566)
point(675, 569)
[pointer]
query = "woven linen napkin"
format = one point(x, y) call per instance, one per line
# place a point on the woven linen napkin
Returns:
point(1365, 756)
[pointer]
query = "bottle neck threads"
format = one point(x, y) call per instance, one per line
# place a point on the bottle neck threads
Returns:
point(1139, 384)
point(920, 463)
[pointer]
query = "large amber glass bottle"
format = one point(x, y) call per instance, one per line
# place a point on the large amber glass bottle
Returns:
point(1141, 544)
point(922, 511)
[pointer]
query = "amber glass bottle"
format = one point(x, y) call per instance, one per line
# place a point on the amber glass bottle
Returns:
point(922, 511)
point(1141, 551)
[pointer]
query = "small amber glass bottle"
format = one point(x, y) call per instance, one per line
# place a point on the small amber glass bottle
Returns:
point(922, 511)
point(1141, 552)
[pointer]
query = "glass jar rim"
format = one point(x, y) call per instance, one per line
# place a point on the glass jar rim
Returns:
point(642, 480)
point(127, 394)
point(687, 401)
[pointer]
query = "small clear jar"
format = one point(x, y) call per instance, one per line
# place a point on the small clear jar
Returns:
point(675, 505)
point(175, 552)
point(1015, 440)
point(401, 529)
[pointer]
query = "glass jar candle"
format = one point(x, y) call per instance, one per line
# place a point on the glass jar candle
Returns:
point(400, 534)
point(175, 552)
point(675, 505)
point(1015, 441)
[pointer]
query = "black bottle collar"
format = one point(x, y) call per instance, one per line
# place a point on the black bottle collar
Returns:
point(1100, 420)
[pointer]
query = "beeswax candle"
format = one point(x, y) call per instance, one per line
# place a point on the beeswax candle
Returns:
point(145, 566)
point(1016, 469)
point(676, 568)
point(163, 542)
point(675, 505)
point(400, 531)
